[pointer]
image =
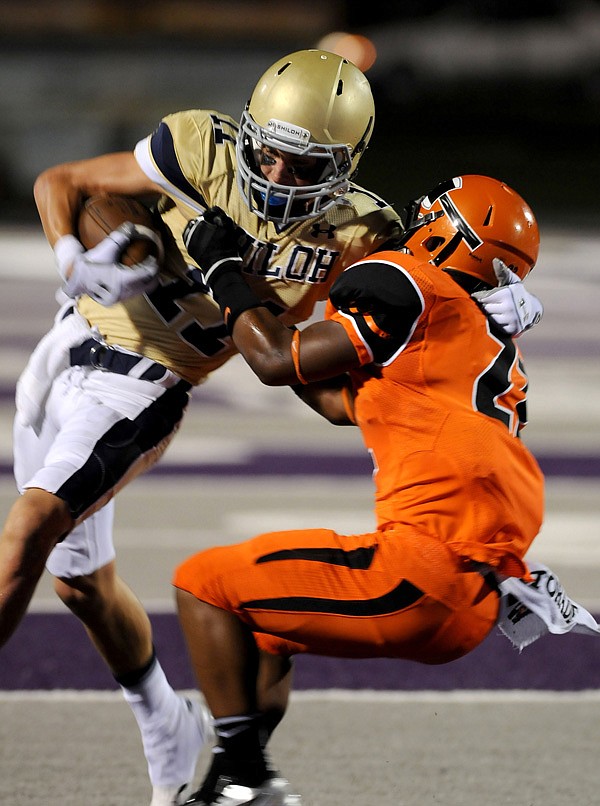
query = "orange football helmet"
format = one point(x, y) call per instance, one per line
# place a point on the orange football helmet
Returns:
point(469, 220)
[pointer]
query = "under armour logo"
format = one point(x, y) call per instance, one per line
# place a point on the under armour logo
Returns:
point(317, 230)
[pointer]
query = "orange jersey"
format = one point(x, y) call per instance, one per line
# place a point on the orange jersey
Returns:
point(440, 398)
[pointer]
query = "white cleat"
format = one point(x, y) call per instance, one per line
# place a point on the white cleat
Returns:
point(272, 792)
point(172, 753)
point(275, 792)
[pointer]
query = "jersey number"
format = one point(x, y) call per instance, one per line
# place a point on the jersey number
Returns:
point(207, 340)
point(501, 390)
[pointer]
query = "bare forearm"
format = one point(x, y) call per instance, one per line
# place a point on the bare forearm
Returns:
point(265, 344)
point(58, 191)
point(57, 201)
point(281, 357)
point(332, 399)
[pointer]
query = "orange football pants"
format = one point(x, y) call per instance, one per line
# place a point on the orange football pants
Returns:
point(397, 593)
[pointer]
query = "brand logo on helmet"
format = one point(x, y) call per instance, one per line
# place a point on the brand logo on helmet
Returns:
point(288, 131)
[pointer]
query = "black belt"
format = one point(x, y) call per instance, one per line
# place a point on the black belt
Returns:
point(102, 356)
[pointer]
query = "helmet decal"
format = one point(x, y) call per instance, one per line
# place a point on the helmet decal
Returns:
point(442, 194)
point(469, 235)
point(282, 130)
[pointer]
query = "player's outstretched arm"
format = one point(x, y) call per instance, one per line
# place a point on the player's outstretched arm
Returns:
point(277, 355)
point(282, 357)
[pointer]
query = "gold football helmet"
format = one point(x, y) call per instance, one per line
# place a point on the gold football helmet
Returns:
point(469, 220)
point(311, 103)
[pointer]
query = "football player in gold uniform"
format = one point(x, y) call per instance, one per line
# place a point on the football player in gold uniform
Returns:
point(105, 390)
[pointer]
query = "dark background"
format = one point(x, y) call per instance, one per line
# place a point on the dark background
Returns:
point(508, 88)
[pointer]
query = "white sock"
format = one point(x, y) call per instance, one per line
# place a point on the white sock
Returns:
point(171, 740)
point(152, 699)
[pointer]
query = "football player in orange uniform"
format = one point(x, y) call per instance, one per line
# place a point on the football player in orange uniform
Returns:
point(439, 393)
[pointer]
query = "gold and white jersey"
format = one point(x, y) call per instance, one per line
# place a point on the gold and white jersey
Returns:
point(191, 155)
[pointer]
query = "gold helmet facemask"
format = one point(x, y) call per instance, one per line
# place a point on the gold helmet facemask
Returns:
point(309, 104)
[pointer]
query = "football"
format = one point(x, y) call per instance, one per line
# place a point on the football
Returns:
point(101, 215)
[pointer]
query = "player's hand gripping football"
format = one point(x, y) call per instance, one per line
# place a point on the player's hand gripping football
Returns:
point(99, 273)
point(212, 240)
point(510, 305)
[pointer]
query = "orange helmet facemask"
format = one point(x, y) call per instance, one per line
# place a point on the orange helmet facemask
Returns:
point(468, 221)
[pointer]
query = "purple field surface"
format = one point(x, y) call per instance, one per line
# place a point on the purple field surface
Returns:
point(51, 651)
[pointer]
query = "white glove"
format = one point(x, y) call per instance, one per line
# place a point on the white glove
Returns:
point(98, 271)
point(510, 305)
